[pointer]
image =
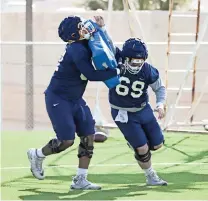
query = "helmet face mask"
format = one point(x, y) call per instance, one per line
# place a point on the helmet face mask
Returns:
point(134, 65)
point(83, 32)
point(86, 29)
point(88, 26)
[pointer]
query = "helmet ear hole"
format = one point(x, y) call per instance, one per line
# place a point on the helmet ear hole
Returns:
point(73, 35)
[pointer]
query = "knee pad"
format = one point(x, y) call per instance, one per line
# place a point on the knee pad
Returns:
point(57, 146)
point(85, 147)
point(144, 158)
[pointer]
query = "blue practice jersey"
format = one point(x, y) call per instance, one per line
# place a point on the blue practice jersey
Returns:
point(74, 70)
point(132, 92)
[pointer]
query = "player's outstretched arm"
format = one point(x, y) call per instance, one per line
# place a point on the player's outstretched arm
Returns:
point(91, 74)
point(83, 63)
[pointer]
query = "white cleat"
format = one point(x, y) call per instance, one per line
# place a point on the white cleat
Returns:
point(80, 182)
point(154, 180)
point(36, 164)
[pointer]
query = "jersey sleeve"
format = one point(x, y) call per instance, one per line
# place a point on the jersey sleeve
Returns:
point(160, 91)
point(82, 59)
point(153, 74)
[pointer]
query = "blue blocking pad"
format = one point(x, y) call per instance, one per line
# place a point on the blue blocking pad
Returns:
point(102, 53)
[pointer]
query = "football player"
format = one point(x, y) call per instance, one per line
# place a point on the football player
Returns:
point(67, 110)
point(130, 106)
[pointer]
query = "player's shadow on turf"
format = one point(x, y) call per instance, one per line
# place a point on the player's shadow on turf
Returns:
point(115, 186)
point(190, 158)
point(105, 194)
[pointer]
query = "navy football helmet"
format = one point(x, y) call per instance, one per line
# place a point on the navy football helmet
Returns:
point(135, 53)
point(69, 28)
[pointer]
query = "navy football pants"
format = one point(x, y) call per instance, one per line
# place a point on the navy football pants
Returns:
point(68, 117)
point(142, 128)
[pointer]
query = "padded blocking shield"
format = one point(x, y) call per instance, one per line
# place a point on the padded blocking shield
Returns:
point(102, 54)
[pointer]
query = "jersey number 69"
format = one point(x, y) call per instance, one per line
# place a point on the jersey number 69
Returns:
point(136, 88)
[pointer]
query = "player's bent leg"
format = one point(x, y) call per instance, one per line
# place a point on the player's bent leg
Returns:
point(143, 156)
point(37, 156)
point(153, 132)
point(55, 146)
point(64, 128)
point(85, 153)
point(85, 128)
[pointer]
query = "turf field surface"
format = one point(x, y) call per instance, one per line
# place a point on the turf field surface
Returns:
point(183, 162)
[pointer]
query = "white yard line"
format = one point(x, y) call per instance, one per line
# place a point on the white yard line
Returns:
point(104, 165)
